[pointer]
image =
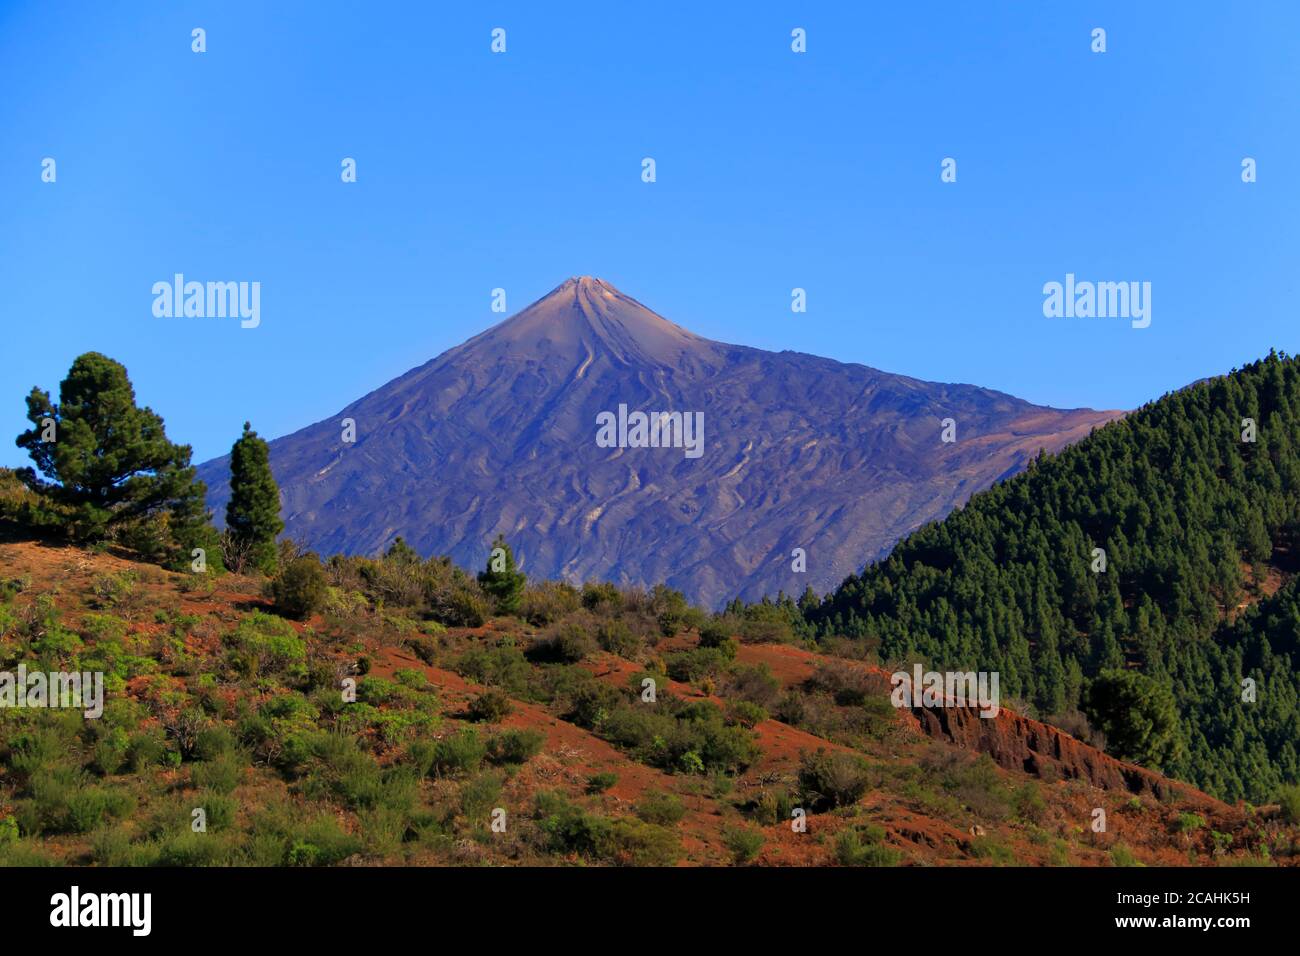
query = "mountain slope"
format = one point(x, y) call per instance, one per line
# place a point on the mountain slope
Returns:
point(1195, 523)
point(199, 714)
point(498, 435)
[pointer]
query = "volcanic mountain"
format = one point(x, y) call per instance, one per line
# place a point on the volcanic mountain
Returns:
point(499, 435)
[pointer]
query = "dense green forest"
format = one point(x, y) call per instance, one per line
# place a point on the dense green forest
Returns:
point(1195, 520)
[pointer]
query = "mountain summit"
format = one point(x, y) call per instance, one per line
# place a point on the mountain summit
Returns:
point(585, 313)
point(499, 435)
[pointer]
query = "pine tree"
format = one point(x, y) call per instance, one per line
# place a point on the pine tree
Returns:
point(402, 553)
point(500, 580)
point(107, 463)
point(1136, 713)
point(253, 512)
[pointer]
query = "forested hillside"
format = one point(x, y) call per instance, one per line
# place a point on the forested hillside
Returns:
point(1196, 520)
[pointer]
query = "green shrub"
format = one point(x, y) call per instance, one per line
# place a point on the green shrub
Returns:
point(212, 742)
point(347, 771)
point(420, 755)
point(745, 714)
point(87, 808)
point(988, 848)
point(767, 623)
point(112, 846)
point(1029, 802)
point(850, 686)
point(491, 706)
point(636, 843)
point(833, 778)
point(600, 782)
point(188, 848)
point(300, 588)
point(145, 749)
point(1288, 799)
point(592, 705)
point(601, 596)
point(864, 847)
point(460, 752)
point(515, 746)
point(547, 602)
point(110, 753)
point(672, 612)
point(478, 796)
point(716, 631)
point(1121, 855)
point(774, 806)
point(569, 641)
point(110, 590)
point(375, 691)
point(616, 637)
point(423, 646)
point(262, 640)
point(283, 838)
point(219, 810)
point(383, 829)
point(463, 607)
point(567, 828)
point(24, 854)
point(690, 666)
point(413, 679)
point(660, 808)
point(743, 843)
point(33, 750)
point(222, 774)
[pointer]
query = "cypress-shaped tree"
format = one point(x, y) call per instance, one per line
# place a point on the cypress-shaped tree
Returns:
point(503, 583)
point(253, 511)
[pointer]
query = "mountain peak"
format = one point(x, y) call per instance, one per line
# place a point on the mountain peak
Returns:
point(579, 287)
point(588, 282)
point(584, 315)
point(498, 435)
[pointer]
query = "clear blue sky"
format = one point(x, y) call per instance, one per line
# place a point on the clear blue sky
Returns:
point(775, 170)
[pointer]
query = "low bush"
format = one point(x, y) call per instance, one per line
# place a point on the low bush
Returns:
point(743, 843)
point(568, 641)
point(1288, 799)
point(461, 752)
point(833, 778)
point(300, 588)
point(864, 846)
point(745, 714)
point(491, 706)
point(658, 807)
point(548, 601)
point(515, 746)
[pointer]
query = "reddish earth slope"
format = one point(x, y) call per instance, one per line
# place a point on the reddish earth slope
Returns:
point(1013, 742)
point(928, 800)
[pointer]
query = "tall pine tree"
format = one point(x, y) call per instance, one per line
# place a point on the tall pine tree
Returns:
point(503, 583)
point(108, 466)
point(253, 512)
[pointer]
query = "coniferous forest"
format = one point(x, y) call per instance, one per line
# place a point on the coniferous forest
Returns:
point(1194, 503)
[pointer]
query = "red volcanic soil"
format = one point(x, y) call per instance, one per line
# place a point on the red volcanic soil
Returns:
point(1060, 780)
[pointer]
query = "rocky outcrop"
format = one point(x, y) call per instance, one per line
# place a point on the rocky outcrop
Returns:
point(1018, 743)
